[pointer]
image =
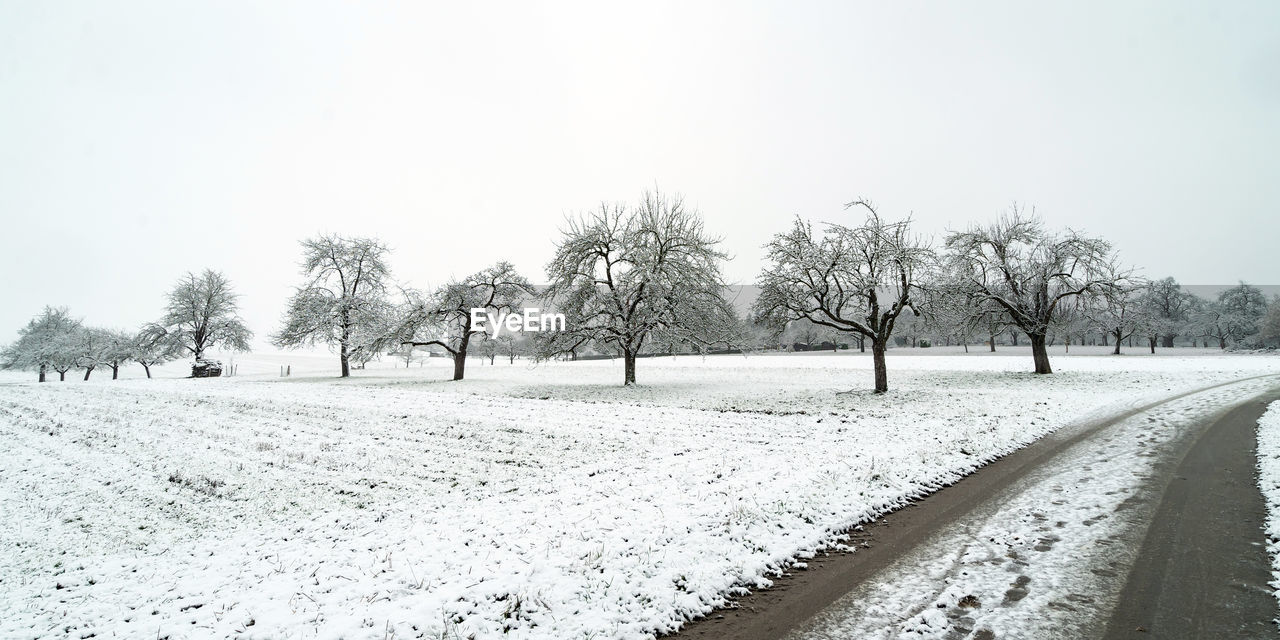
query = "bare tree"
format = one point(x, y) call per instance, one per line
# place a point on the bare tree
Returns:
point(343, 299)
point(407, 353)
point(513, 345)
point(952, 311)
point(1118, 310)
point(202, 313)
point(445, 320)
point(1242, 306)
point(485, 347)
point(1168, 310)
point(42, 343)
point(93, 347)
point(120, 348)
point(623, 275)
point(66, 354)
point(1269, 325)
point(1211, 321)
point(856, 279)
point(151, 349)
point(1029, 272)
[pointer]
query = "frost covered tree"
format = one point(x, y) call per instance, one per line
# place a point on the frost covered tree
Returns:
point(1168, 309)
point(93, 347)
point(67, 355)
point(343, 302)
point(407, 353)
point(1269, 325)
point(1211, 322)
point(952, 312)
point(625, 275)
point(513, 345)
point(485, 348)
point(46, 341)
point(1118, 311)
point(854, 279)
point(1028, 272)
point(1073, 321)
point(1241, 307)
point(444, 318)
point(202, 313)
point(150, 349)
point(119, 347)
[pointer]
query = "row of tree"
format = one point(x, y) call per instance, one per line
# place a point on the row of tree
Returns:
point(201, 313)
point(1011, 275)
point(1159, 313)
point(647, 276)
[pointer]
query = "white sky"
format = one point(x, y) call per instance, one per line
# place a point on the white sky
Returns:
point(141, 140)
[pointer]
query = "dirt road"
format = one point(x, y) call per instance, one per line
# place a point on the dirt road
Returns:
point(1203, 571)
point(1057, 538)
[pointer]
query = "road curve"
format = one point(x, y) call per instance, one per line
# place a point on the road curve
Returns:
point(1203, 570)
point(901, 537)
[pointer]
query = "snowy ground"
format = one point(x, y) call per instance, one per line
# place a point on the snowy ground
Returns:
point(1050, 554)
point(1269, 483)
point(542, 501)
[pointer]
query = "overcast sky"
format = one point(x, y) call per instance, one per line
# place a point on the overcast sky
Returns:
point(141, 140)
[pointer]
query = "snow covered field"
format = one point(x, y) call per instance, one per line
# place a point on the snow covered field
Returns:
point(1269, 483)
point(545, 501)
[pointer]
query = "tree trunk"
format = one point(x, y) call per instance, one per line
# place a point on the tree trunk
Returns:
point(146, 367)
point(1166, 341)
point(882, 372)
point(87, 372)
point(1119, 339)
point(992, 342)
point(42, 373)
point(1013, 338)
point(1222, 343)
point(115, 372)
point(459, 364)
point(862, 344)
point(1153, 344)
point(1040, 353)
point(628, 367)
point(62, 376)
point(345, 358)
point(966, 346)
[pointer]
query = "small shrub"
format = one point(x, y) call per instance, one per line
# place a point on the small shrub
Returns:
point(200, 484)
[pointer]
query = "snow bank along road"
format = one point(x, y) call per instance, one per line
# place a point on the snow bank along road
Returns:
point(570, 508)
point(1269, 484)
point(1143, 525)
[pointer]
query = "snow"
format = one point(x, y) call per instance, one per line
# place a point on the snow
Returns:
point(1051, 553)
point(540, 502)
point(1269, 484)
